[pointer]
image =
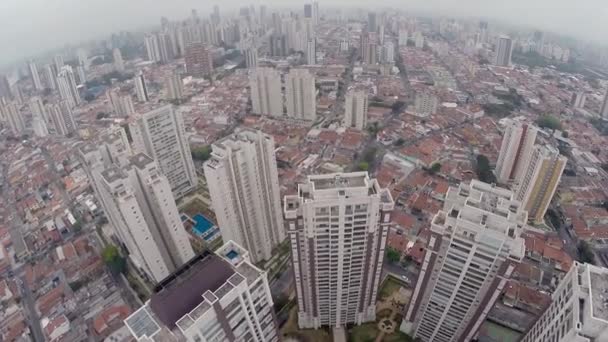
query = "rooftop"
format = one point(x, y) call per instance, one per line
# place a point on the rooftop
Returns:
point(182, 291)
point(140, 160)
point(339, 180)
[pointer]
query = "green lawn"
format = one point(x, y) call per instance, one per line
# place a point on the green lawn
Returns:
point(363, 333)
point(387, 288)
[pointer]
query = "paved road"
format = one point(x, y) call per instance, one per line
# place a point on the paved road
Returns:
point(31, 313)
point(399, 272)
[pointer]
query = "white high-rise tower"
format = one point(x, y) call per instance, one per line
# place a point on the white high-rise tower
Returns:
point(266, 95)
point(515, 151)
point(301, 95)
point(67, 86)
point(244, 187)
point(504, 50)
point(355, 108)
point(33, 68)
point(338, 226)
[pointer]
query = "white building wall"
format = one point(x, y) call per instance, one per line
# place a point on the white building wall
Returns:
point(515, 151)
point(300, 94)
point(355, 107)
point(266, 94)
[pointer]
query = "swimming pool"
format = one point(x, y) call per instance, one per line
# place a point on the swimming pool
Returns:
point(201, 225)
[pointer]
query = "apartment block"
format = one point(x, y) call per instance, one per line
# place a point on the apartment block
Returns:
point(217, 296)
point(337, 226)
point(539, 181)
point(301, 95)
point(515, 151)
point(355, 109)
point(161, 134)
point(474, 247)
point(244, 186)
point(266, 94)
point(578, 310)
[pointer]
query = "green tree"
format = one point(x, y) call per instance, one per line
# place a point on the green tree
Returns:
point(484, 172)
point(550, 122)
point(201, 153)
point(392, 255)
point(115, 262)
point(363, 166)
point(585, 252)
point(400, 142)
point(436, 167)
point(373, 129)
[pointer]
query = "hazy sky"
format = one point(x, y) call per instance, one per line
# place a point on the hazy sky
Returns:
point(32, 26)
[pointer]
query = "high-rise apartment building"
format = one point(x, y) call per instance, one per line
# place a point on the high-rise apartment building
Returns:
point(425, 104)
point(307, 10)
point(338, 226)
point(82, 74)
point(251, 57)
point(244, 186)
point(368, 48)
point(165, 49)
point(604, 107)
point(474, 247)
point(311, 51)
point(50, 74)
point(174, 86)
point(301, 95)
point(388, 52)
point(579, 98)
point(122, 105)
point(119, 63)
point(403, 37)
point(62, 117)
point(199, 62)
point(14, 118)
point(37, 108)
point(278, 45)
point(372, 23)
point(266, 94)
point(34, 75)
point(138, 202)
point(161, 134)
point(538, 182)
point(217, 296)
point(355, 109)
point(315, 12)
point(515, 150)
point(5, 88)
point(67, 86)
point(141, 88)
point(577, 312)
point(59, 63)
point(504, 50)
point(152, 48)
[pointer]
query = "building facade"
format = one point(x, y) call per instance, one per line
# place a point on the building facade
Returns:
point(515, 151)
point(141, 88)
point(504, 50)
point(266, 94)
point(34, 75)
point(244, 186)
point(301, 95)
point(174, 86)
point(474, 246)
point(577, 312)
point(355, 109)
point(161, 134)
point(199, 62)
point(337, 225)
point(539, 180)
point(67, 86)
point(62, 118)
point(217, 296)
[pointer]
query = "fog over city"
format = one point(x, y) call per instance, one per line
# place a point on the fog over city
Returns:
point(34, 26)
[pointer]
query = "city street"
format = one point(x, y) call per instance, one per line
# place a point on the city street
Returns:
point(31, 313)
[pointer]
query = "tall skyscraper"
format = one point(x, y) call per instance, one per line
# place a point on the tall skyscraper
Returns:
point(425, 104)
point(67, 86)
point(307, 10)
point(119, 63)
point(403, 37)
point(315, 12)
point(372, 23)
point(37, 108)
point(15, 118)
point(62, 117)
point(152, 48)
point(278, 45)
point(39, 123)
point(251, 57)
point(50, 74)
point(388, 52)
point(504, 50)
point(515, 151)
point(474, 247)
point(141, 88)
point(337, 225)
point(161, 134)
point(217, 296)
point(139, 204)
point(58, 59)
point(165, 48)
point(244, 187)
point(604, 108)
point(266, 95)
point(174, 86)
point(199, 62)
point(83, 58)
point(35, 76)
point(301, 95)
point(5, 88)
point(82, 74)
point(538, 182)
point(368, 48)
point(311, 51)
point(577, 312)
point(355, 109)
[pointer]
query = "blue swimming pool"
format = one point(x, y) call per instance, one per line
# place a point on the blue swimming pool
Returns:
point(201, 225)
point(232, 254)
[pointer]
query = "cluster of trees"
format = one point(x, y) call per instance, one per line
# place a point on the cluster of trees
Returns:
point(392, 255)
point(585, 252)
point(549, 121)
point(498, 110)
point(112, 258)
point(202, 153)
point(483, 170)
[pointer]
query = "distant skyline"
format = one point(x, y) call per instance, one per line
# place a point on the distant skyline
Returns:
point(32, 27)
